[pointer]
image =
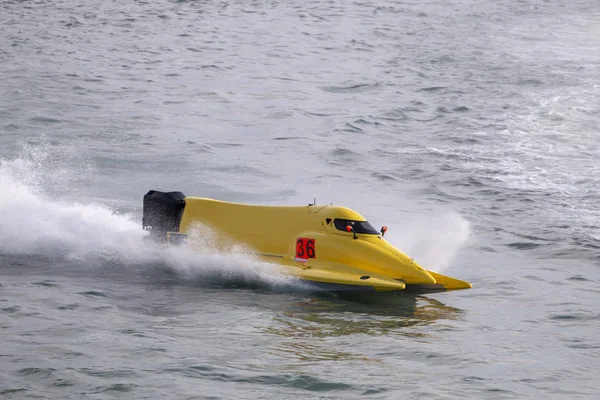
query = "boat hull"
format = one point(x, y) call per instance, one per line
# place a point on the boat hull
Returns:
point(329, 246)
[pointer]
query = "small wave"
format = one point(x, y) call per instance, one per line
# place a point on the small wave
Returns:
point(394, 115)
point(132, 332)
point(383, 177)
point(203, 148)
point(473, 379)
point(117, 387)
point(62, 383)
point(240, 169)
point(228, 144)
point(530, 82)
point(585, 346)
point(45, 120)
point(575, 317)
point(68, 307)
point(317, 114)
point(305, 382)
point(47, 283)
point(578, 278)
point(12, 391)
point(93, 293)
point(523, 245)
point(37, 372)
point(357, 88)
point(432, 89)
point(109, 373)
point(341, 152)
point(282, 138)
point(363, 121)
point(471, 181)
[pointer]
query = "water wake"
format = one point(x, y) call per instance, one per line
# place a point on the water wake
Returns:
point(95, 236)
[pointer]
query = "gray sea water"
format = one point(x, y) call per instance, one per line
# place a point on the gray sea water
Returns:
point(469, 127)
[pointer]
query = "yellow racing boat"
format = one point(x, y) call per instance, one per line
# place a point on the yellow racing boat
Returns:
point(332, 247)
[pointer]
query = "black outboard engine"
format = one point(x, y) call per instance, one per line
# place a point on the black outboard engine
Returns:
point(162, 213)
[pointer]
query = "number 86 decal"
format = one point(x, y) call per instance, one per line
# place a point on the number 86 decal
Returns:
point(305, 249)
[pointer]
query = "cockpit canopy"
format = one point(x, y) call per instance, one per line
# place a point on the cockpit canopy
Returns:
point(358, 226)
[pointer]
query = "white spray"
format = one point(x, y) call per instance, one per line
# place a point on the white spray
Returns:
point(33, 224)
point(433, 240)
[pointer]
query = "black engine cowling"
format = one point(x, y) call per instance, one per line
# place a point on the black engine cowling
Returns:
point(162, 213)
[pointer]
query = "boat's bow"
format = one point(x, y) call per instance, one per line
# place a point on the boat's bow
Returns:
point(343, 276)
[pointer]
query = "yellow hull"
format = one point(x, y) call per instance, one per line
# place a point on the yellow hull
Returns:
point(327, 245)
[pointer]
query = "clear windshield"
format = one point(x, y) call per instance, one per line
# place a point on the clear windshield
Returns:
point(358, 226)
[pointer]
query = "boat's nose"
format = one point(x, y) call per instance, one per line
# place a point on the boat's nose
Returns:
point(409, 270)
point(415, 275)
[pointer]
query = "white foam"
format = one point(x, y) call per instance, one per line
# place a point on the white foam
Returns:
point(32, 223)
point(432, 240)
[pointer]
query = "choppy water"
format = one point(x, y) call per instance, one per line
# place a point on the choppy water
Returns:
point(469, 127)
